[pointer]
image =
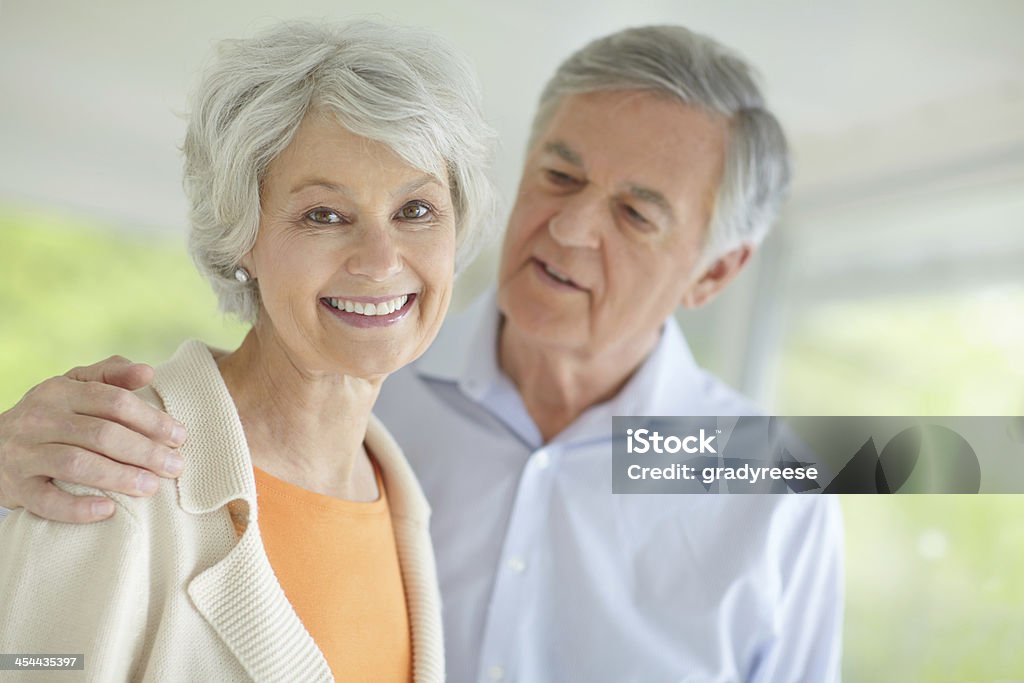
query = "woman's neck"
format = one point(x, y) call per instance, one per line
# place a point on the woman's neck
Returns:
point(303, 426)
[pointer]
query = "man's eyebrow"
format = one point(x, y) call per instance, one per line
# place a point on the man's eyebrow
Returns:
point(564, 152)
point(639, 192)
point(646, 194)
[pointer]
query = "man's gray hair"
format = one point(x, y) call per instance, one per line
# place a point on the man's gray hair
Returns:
point(395, 85)
point(694, 69)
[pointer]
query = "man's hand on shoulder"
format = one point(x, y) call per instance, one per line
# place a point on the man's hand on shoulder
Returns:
point(86, 427)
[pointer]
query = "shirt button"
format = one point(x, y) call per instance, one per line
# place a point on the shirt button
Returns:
point(495, 673)
point(543, 459)
point(517, 564)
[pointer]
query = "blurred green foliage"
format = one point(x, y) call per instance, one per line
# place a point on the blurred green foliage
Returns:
point(73, 293)
point(953, 353)
point(934, 590)
point(935, 584)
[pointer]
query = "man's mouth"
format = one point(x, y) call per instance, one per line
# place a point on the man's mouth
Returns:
point(555, 274)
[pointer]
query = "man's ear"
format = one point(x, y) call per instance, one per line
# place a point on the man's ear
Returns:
point(714, 279)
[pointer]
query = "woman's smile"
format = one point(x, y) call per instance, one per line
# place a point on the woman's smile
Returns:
point(369, 311)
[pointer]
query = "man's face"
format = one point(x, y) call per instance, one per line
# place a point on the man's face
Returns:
point(609, 222)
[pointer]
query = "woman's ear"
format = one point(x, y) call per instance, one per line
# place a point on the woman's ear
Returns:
point(247, 263)
point(714, 279)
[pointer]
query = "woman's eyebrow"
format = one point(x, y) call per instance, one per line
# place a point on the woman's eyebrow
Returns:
point(417, 183)
point(320, 182)
point(411, 186)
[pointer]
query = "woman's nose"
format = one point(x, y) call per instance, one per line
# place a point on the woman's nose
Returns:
point(376, 256)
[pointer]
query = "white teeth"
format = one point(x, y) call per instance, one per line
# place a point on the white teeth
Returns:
point(382, 308)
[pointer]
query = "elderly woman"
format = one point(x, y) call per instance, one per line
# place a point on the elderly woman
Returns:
point(335, 178)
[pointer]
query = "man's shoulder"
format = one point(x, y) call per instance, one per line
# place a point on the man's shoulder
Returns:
point(671, 382)
point(706, 394)
point(724, 399)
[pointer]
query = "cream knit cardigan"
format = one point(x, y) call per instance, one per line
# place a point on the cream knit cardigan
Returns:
point(165, 590)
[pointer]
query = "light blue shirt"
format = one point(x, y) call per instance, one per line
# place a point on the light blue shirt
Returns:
point(547, 576)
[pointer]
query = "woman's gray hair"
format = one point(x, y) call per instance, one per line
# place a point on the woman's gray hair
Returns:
point(694, 69)
point(399, 86)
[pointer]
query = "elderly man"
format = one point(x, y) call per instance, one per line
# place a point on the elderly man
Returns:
point(653, 172)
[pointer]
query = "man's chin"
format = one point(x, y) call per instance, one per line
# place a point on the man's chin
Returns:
point(542, 325)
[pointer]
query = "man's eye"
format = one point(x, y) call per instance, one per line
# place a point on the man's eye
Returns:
point(634, 215)
point(559, 178)
point(414, 211)
point(324, 216)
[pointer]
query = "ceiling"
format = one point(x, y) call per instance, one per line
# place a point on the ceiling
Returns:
point(873, 94)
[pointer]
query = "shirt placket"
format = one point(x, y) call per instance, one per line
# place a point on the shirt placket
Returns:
point(502, 642)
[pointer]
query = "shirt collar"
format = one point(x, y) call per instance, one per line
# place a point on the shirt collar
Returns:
point(465, 350)
point(466, 353)
point(668, 382)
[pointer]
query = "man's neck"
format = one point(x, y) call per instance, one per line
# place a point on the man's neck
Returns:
point(558, 385)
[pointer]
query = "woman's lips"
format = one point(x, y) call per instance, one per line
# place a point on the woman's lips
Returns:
point(369, 311)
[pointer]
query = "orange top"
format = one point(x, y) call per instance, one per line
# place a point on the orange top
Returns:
point(338, 565)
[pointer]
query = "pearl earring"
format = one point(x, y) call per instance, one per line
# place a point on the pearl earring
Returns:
point(242, 275)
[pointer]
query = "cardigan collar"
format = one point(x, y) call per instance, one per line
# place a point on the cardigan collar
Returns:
point(219, 474)
point(219, 464)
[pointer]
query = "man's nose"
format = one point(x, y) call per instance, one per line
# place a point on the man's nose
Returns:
point(376, 256)
point(580, 221)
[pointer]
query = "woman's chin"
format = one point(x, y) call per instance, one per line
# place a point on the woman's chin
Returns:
point(369, 365)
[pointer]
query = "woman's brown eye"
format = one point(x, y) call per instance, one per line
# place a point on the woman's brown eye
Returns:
point(323, 216)
point(414, 211)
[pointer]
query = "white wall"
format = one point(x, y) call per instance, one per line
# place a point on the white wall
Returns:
point(885, 103)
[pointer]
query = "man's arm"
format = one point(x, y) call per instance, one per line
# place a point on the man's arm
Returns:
point(86, 427)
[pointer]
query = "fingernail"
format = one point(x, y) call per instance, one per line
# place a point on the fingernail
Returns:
point(103, 508)
point(173, 464)
point(178, 434)
point(147, 483)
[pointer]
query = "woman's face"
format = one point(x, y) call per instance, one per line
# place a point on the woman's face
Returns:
point(355, 253)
